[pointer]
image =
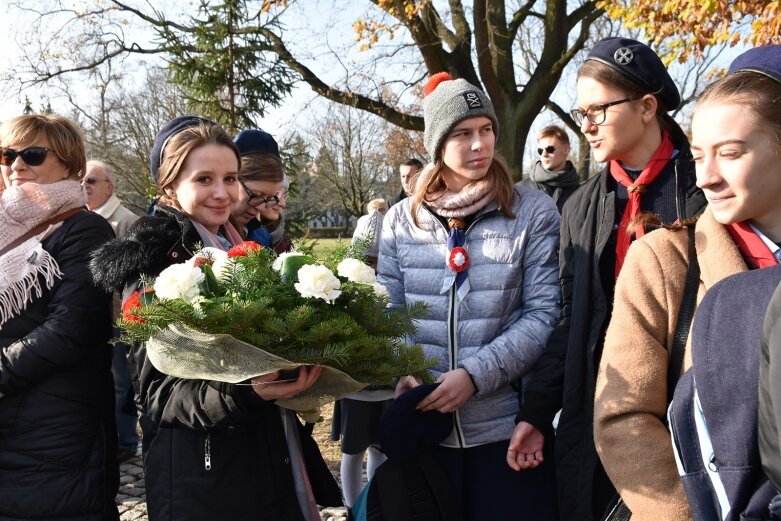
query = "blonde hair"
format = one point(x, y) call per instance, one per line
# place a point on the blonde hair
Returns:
point(179, 147)
point(64, 136)
point(377, 204)
point(498, 175)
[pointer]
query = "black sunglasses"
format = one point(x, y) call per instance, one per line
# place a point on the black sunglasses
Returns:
point(549, 149)
point(92, 180)
point(33, 156)
point(258, 199)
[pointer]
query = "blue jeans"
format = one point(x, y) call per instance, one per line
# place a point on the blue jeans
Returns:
point(124, 400)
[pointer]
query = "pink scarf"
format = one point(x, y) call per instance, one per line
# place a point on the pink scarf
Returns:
point(28, 267)
point(466, 201)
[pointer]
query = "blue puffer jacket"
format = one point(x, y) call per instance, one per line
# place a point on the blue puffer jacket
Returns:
point(500, 329)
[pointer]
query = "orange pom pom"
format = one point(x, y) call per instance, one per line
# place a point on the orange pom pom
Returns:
point(434, 81)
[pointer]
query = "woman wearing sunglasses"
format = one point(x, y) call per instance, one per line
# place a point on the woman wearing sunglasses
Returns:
point(264, 190)
point(57, 433)
point(212, 450)
point(624, 93)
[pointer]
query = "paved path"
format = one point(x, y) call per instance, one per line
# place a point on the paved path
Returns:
point(131, 498)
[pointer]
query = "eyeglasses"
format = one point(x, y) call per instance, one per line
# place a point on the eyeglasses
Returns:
point(92, 180)
point(549, 149)
point(258, 199)
point(596, 114)
point(33, 156)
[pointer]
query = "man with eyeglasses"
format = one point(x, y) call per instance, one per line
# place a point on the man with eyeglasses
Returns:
point(553, 173)
point(101, 199)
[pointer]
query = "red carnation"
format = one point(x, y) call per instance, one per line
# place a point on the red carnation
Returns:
point(458, 260)
point(200, 261)
point(243, 249)
point(132, 303)
point(435, 80)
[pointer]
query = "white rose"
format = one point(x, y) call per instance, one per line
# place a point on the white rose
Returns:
point(356, 271)
point(179, 281)
point(380, 290)
point(279, 261)
point(317, 281)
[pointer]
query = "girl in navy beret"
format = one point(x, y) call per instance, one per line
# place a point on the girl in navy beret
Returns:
point(624, 94)
point(736, 129)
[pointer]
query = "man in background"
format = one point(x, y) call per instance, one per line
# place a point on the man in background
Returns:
point(99, 185)
point(553, 173)
point(408, 171)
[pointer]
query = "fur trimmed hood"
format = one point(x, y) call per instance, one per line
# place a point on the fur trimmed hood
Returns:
point(152, 244)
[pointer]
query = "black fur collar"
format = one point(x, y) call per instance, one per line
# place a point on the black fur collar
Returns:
point(152, 244)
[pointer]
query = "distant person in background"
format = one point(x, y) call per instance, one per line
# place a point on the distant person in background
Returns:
point(101, 199)
point(370, 225)
point(408, 171)
point(553, 173)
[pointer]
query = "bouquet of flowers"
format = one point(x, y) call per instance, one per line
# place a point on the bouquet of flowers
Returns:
point(232, 316)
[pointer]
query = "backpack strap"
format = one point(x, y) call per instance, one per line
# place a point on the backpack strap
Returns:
point(685, 316)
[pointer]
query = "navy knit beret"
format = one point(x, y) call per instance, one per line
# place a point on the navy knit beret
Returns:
point(169, 130)
point(406, 432)
point(256, 141)
point(638, 62)
point(764, 60)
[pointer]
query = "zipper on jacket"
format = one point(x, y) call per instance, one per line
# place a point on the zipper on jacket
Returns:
point(452, 321)
point(453, 348)
point(207, 451)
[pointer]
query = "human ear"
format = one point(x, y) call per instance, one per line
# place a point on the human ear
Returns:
point(648, 105)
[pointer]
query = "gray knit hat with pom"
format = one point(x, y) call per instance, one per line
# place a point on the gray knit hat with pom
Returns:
point(447, 103)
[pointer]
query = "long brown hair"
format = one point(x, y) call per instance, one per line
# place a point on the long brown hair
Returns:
point(498, 175)
point(179, 147)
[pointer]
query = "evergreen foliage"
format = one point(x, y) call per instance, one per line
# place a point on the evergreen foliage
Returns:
point(254, 303)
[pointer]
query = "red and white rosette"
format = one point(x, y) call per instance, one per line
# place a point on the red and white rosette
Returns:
point(458, 260)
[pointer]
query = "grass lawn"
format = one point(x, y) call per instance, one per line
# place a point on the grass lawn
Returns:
point(325, 246)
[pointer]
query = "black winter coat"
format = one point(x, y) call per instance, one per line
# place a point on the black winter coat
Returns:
point(565, 377)
point(57, 432)
point(212, 450)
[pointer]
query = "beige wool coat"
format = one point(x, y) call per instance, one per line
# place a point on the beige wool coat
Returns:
point(631, 394)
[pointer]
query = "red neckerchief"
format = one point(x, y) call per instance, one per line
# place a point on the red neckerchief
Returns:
point(751, 245)
point(636, 189)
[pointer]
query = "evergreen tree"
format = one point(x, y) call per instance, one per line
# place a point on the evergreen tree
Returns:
point(224, 65)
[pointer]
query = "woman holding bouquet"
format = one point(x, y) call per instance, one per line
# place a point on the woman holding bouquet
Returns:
point(57, 433)
point(482, 255)
point(212, 450)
